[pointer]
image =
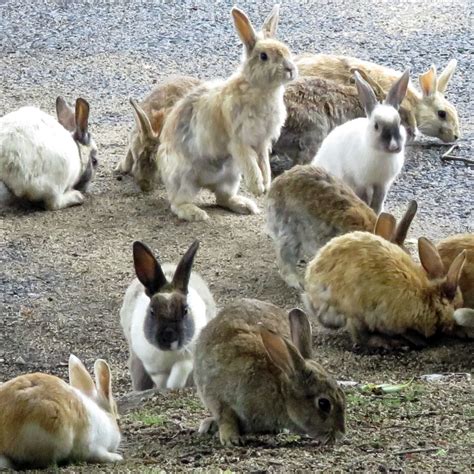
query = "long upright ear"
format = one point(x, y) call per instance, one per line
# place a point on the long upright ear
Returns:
point(430, 259)
point(79, 378)
point(464, 317)
point(244, 28)
point(385, 226)
point(376, 87)
point(301, 332)
point(183, 270)
point(403, 226)
point(148, 269)
point(82, 121)
point(366, 94)
point(278, 351)
point(103, 378)
point(270, 24)
point(398, 90)
point(429, 82)
point(454, 273)
point(146, 130)
point(65, 114)
point(446, 75)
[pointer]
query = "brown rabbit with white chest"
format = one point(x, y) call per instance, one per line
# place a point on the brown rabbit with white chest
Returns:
point(254, 380)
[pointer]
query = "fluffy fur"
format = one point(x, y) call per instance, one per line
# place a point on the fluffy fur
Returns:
point(368, 153)
point(449, 249)
point(162, 315)
point(46, 421)
point(46, 161)
point(254, 380)
point(374, 289)
point(429, 111)
point(306, 207)
point(224, 128)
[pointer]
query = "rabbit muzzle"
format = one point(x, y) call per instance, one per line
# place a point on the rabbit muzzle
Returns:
point(290, 69)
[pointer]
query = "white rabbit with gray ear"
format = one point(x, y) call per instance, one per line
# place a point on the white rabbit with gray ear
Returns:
point(368, 153)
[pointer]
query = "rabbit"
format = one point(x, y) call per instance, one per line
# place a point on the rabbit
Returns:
point(223, 128)
point(144, 139)
point(449, 249)
point(368, 153)
point(163, 311)
point(255, 373)
point(45, 421)
point(432, 114)
point(373, 288)
point(306, 207)
point(48, 161)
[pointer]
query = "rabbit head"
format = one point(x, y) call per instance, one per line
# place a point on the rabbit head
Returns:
point(267, 62)
point(385, 132)
point(168, 323)
point(101, 391)
point(436, 116)
point(77, 122)
point(315, 403)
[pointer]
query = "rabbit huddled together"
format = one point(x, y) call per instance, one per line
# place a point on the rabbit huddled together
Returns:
point(337, 126)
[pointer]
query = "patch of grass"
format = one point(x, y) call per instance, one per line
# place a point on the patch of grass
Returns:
point(148, 418)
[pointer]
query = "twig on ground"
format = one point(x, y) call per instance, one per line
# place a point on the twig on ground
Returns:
point(447, 156)
point(418, 450)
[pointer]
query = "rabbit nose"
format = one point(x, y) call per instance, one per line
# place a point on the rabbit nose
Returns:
point(169, 335)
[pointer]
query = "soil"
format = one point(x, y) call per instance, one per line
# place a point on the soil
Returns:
point(63, 274)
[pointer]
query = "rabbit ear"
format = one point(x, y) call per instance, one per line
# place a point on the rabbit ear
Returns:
point(454, 273)
point(270, 24)
point(142, 120)
point(446, 75)
point(82, 121)
point(464, 317)
point(278, 351)
point(430, 259)
point(148, 269)
point(103, 379)
point(401, 231)
point(244, 29)
point(429, 82)
point(366, 94)
point(385, 226)
point(376, 87)
point(300, 329)
point(65, 114)
point(183, 270)
point(397, 92)
point(79, 378)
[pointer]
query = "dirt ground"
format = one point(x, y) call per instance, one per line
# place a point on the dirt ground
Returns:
point(63, 274)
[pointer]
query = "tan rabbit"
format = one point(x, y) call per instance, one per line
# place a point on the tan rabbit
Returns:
point(44, 421)
point(374, 289)
point(144, 139)
point(224, 128)
point(435, 116)
point(254, 380)
point(307, 206)
point(449, 249)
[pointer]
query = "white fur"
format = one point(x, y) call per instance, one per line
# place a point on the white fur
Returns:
point(39, 159)
point(350, 152)
point(167, 369)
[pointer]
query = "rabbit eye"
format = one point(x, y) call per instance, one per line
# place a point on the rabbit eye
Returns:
point(442, 114)
point(263, 56)
point(376, 126)
point(185, 310)
point(152, 313)
point(324, 405)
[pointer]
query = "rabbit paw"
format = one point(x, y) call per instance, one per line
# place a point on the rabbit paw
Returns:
point(239, 204)
point(208, 426)
point(190, 212)
point(256, 186)
point(230, 437)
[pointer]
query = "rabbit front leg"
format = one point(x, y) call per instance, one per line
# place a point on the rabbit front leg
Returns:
point(125, 164)
point(179, 374)
point(248, 159)
point(140, 378)
point(264, 165)
point(5, 463)
point(229, 432)
point(378, 198)
point(101, 455)
point(57, 201)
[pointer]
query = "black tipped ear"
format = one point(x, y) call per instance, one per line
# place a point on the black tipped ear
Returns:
point(300, 332)
point(403, 226)
point(65, 114)
point(398, 90)
point(183, 270)
point(148, 269)
point(366, 94)
point(82, 121)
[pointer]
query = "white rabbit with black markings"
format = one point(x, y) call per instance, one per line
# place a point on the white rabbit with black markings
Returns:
point(163, 312)
point(46, 160)
point(368, 153)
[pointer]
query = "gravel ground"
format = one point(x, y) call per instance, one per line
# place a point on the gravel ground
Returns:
point(63, 274)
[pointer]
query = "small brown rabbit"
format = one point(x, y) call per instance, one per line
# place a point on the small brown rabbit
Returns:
point(449, 249)
point(144, 139)
point(254, 380)
point(432, 113)
point(307, 206)
point(386, 300)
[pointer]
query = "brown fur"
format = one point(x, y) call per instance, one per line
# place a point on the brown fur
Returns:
point(449, 249)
